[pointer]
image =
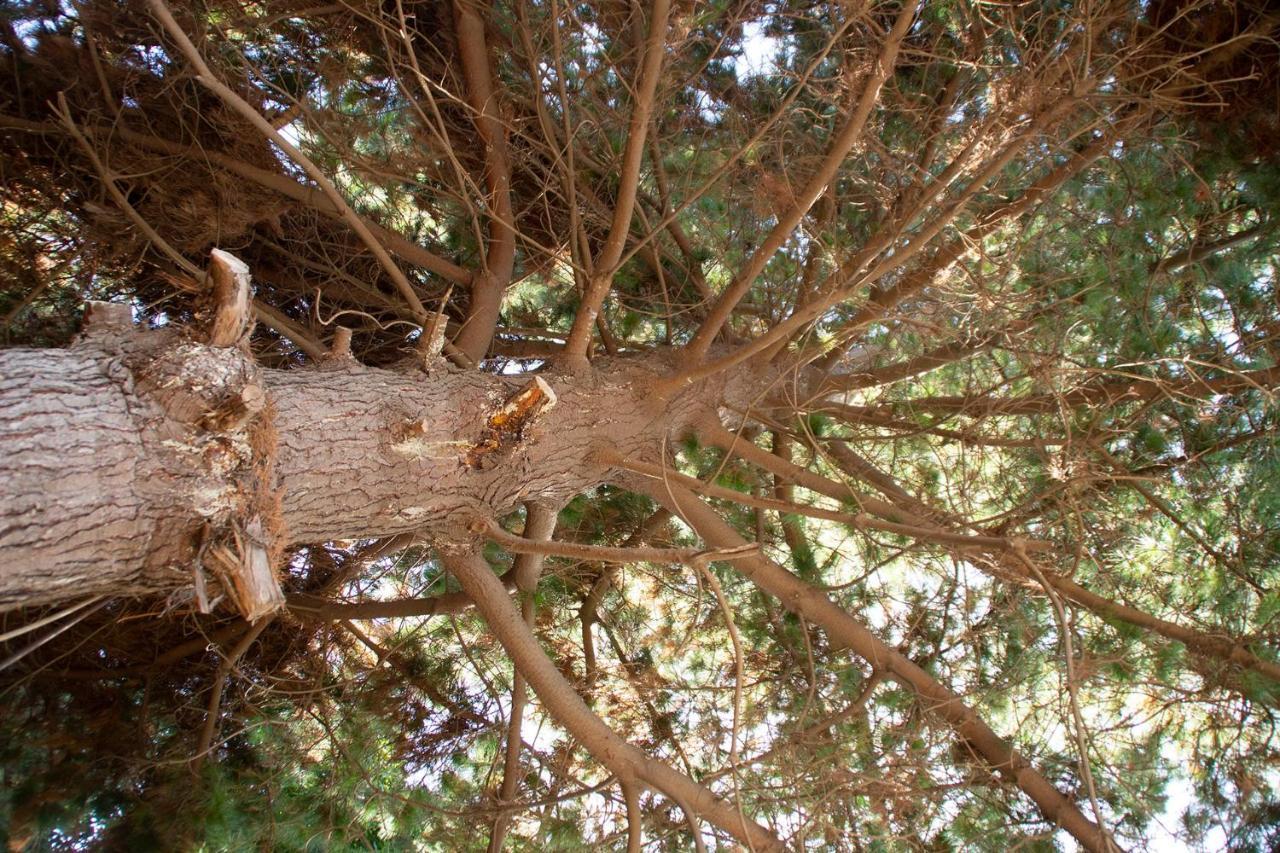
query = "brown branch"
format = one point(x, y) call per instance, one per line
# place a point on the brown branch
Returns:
point(1012, 562)
point(635, 826)
point(865, 415)
point(540, 523)
point(816, 730)
point(855, 465)
point(269, 316)
point(1197, 251)
point(183, 650)
point(601, 553)
point(989, 748)
point(444, 604)
point(396, 243)
point(1170, 513)
point(858, 521)
point(286, 328)
point(569, 710)
point(487, 289)
point(206, 77)
point(843, 143)
point(588, 613)
point(205, 743)
point(662, 205)
point(1113, 393)
point(262, 312)
point(846, 283)
point(948, 353)
point(605, 264)
point(792, 529)
point(1224, 648)
point(897, 519)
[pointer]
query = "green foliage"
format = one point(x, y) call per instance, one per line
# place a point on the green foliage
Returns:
point(1099, 391)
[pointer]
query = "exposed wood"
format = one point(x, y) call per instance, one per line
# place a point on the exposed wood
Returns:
point(247, 574)
point(340, 348)
point(232, 320)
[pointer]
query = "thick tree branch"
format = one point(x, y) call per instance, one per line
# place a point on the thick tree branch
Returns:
point(540, 523)
point(800, 598)
point(570, 711)
point(606, 262)
point(487, 289)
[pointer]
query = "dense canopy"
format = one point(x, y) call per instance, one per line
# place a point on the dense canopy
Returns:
point(900, 473)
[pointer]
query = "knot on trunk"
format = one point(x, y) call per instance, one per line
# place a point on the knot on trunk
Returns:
point(203, 411)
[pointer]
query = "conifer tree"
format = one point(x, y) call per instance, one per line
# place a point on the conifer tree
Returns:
point(429, 424)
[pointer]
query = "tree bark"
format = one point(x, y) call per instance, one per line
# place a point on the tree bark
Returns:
point(70, 453)
point(125, 456)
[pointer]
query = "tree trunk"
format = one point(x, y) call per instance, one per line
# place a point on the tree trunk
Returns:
point(71, 517)
point(133, 456)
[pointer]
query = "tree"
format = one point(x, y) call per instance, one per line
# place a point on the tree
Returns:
point(844, 426)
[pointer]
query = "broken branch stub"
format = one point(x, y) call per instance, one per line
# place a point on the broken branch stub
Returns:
point(243, 567)
point(107, 318)
point(237, 411)
point(433, 340)
point(340, 349)
point(233, 315)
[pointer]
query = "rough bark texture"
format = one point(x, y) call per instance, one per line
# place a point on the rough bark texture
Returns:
point(366, 452)
point(69, 461)
point(128, 456)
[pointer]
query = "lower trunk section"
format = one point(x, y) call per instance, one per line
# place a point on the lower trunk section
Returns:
point(71, 518)
point(134, 461)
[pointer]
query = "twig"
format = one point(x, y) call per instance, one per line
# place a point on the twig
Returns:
point(52, 617)
point(28, 649)
point(206, 77)
point(606, 554)
point(205, 744)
